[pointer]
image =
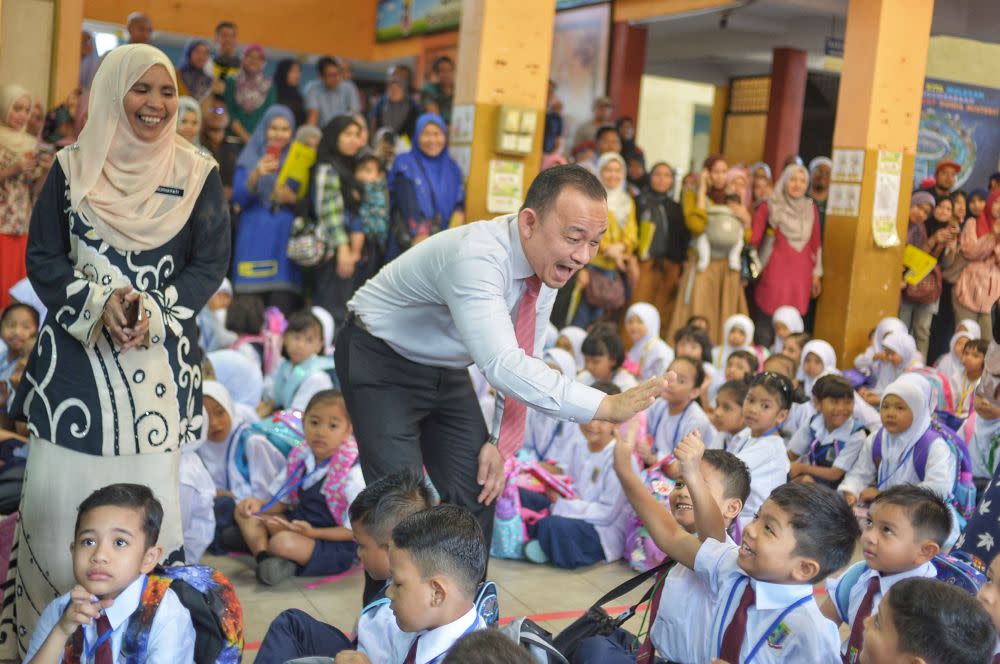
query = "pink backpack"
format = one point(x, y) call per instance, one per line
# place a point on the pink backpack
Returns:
point(270, 340)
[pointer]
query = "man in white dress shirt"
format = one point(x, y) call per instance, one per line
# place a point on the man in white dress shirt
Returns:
point(453, 300)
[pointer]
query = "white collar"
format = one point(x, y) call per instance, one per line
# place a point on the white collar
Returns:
point(436, 642)
point(842, 433)
point(886, 582)
point(126, 603)
point(769, 596)
point(521, 268)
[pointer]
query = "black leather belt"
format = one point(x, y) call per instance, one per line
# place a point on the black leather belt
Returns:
point(354, 319)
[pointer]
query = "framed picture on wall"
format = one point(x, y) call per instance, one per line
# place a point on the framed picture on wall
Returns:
point(579, 66)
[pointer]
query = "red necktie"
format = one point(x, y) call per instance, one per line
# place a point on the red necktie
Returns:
point(514, 412)
point(732, 641)
point(103, 654)
point(858, 627)
point(411, 655)
point(647, 650)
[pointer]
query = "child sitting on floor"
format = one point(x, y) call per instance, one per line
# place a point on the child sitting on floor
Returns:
point(304, 528)
point(113, 549)
point(964, 383)
point(374, 513)
point(829, 444)
point(906, 527)
point(794, 345)
point(786, 321)
point(305, 372)
point(675, 416)
point(649, 353)
point(982, 435)
point(741, 365)
point(727, 418)
point(604, 355)
point(547, 439)
point(590, 528)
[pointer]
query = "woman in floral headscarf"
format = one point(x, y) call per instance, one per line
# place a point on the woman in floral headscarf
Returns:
point(249, 94)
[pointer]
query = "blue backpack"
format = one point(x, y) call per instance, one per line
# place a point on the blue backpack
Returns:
point(963, 491)
point(958, 569)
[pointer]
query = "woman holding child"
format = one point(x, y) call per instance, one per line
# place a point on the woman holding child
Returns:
point(129, 238)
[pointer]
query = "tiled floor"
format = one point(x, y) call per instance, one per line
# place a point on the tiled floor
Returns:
point(525, 589)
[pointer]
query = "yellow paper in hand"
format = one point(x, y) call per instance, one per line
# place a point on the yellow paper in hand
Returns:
point(646, 230)
point(295, 171)
point(918, 264)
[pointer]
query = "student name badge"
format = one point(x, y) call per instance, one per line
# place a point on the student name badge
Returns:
point(170, 191)
point(777, 638)
point(595, 475)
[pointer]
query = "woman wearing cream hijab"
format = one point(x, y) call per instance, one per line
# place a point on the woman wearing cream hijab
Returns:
point(128, 240)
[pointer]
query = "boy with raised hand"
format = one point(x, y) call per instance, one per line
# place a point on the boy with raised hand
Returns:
point(113, 551)
point(764, 609)
point(681, 627)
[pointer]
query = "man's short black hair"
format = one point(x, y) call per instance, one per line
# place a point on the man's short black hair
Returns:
point(929, 515)
point(747, 357)
point(130, 496)
point(445, 540)
point(223, 25)
point(735, 473)
point(487, 646)
point(548, 184)
point(833, 386)
point(940, 623)
point(324, 62)
point(826, 529)
point(389, 500)
point(604, 340)
point(440, 60)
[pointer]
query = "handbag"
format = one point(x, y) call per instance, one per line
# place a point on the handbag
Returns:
point(305, 245)
point(605, 290)
point(928, 290)
point(597, 622)
point(750, 264)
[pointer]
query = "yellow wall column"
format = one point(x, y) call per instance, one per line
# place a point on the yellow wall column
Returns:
point(878, 113)
point(40, 46)
point(504, 49)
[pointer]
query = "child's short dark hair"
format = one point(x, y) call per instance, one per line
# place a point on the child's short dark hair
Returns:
point(129, 496)
point(826, 529)
point(698, 336)
point(735, 473)
point(389, 500)
point(737, 388)
point(326, 397)
point(747, 357)
point(604, 340)
point(487, 646)
point(801, 338)
point(21, 306)
point(833, 386)
point(304, 320)
point(607, 387)
point(928, 514)
point(779, 387)
point(366, 155)
point(978, 345)
point(778, 358)
point(693, 319)
point(447, 540)
point(245, 315)
point(699, 368)
point(940, 623)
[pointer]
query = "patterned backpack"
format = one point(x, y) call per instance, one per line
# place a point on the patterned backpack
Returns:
point(641, 552)
point(215, 613)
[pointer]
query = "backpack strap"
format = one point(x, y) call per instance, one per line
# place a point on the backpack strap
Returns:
point(135, 640)
point(842, 598)
point(877, 448)
point(922, 448)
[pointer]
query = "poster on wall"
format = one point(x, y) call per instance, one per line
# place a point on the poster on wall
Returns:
point(399, 19)
point(580, 63)
point(960, 123)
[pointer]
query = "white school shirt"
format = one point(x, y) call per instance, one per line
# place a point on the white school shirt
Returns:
point(171, 636)
point(767, 459)
point(547, 438)
point(858, 590)
point(622, 378)
point(964, 391)
point(979, 442)
point(939, 474)
point(804, 635)
point(816, 430)
point(668, 430)
point(600, 501)
point(354, 483)
point(197, 506)
point(656, 359)
point(680, 631)
point(451, 301)
point(434, 644)
point(377, 629)
point(264, 461)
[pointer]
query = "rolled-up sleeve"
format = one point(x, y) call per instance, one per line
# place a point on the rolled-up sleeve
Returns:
point(473, 289)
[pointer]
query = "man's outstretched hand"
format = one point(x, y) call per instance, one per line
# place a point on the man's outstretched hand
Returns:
point(619, 408)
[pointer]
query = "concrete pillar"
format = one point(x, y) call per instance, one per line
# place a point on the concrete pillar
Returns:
point(784, 109)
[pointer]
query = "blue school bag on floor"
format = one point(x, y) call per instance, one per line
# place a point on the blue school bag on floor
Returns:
point(963, 491)
point(958, 569)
